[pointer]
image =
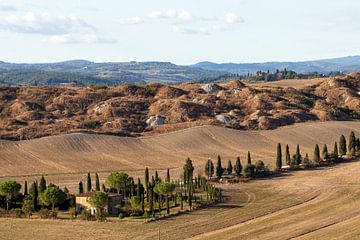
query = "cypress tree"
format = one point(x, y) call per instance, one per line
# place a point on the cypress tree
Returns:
point(34, 193)
point(278, 157)
point(97, 183)
point(297, 155)
point(25, 188)
point(238, 167)
point(352, 143)
point(138, 188)
point(88, 183)
point(168, 175)
point(219, 170)
point(317, 154)
point(249, 158)
point(287, 155)
point(147, 183)
point(42, 185)
point(156, 176)
point(342, 145)
point(81, 187)
point(336, 151)
point(229, 167)
point(325, 153)
point(209, 168)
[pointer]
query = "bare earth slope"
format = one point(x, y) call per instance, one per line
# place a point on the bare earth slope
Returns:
point(74, 154)
point(315, 204)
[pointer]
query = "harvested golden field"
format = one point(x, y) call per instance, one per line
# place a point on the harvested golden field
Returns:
point(295, 83)
point(313, 204)
point(66, 158)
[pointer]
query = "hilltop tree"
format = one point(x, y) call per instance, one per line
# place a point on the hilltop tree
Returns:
point(34, 193)
point(9, 190)
point(88, 183)
point(287, 155)
point(168, 175)
point(209, 168)
point(97, 183)
point(229, 167)
point(25, 188)
point(249, 170)
point(325, 153)
point(27, 206)
point(99, 200)
point(81, 187)
point(249, 158)
point(278, 158)
point(352, 143)
point(238, 166)
point(317, 154)
point(147, 183)
point(52, 196)
point(42, 184)
point(219, 170)
point(342, 145)
point(119, 181)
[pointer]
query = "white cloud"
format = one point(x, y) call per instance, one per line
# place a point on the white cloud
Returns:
point(202, 30)
point(78, 38)
point(233, 18)
point(7, 8)
point(131, 21)
point(173, 14)
point(45, 24)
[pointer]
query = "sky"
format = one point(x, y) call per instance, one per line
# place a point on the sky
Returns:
point(178, 31)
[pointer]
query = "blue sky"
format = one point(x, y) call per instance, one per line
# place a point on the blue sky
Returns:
point(180, 31)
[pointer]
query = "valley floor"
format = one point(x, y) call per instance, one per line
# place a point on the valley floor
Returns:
point(313, 204)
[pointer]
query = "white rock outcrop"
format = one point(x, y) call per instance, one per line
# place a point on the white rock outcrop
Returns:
point(155, 121)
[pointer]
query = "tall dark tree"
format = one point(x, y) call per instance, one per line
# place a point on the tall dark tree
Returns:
point(34, 193)
point(209, 168)
point(97, 182)
point(325, 153)
point(147, 183)
point(238, 166)
point(342, 145)
point(336, 151)
point(219, 170)
point(138, 188)
point(88, 183)
point(157, 176)
point(168, 175)
point(317, 154)
point(188, 172)
point(352, 143)
point(278, 157)
point(229, 167)
point(25, 188)
point(297, 155)
point(42, 184)
point(287, 155)
point(81, 187)
point(249, 158)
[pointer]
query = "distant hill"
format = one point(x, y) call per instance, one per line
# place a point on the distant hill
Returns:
point(86, 72)
point(344, 64)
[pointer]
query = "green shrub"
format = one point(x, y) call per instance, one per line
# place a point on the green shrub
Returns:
point(16, 212)
point(147, 214)
point(121, 216)
point(85, 215)
point(100, 216)
point(44, 213)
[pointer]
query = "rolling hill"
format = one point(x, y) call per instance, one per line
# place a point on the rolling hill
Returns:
point(344, 64)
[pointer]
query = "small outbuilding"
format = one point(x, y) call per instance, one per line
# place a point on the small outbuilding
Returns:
point(83, 204)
